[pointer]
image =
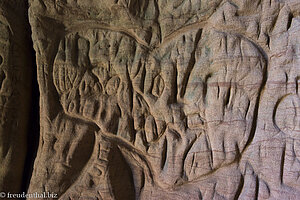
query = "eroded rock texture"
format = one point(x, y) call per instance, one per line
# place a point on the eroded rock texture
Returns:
point(15, 92)
point(159, 99)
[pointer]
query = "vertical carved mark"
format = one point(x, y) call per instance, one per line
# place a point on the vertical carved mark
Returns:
point(211, 152)
point(247, 109)
point(164, 155)
point(205, 86)
point(297, 84)
point(256, 187)
point(265, 64)
point(130, 90)
point(289, 22)
point(200, 197)
point(2, 78)
point(227, 97)
point(174, 84)
point(268, 41)
point(191, 64)
point(240, 188)
point(143, 178)
point(185, 155)
point(282, 164)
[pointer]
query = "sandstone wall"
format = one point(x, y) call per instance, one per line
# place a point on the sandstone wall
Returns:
point(164, 99)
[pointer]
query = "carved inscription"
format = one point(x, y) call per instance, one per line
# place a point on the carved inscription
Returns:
point(167, 99)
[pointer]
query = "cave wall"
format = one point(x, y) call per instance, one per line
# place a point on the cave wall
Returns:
point(159, 99)
point(15, 92)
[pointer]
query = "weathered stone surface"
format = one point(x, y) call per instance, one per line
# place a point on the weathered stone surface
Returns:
point(167, 99)
point(15, 92)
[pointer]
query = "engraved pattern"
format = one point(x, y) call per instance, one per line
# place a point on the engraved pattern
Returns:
point(167, 99)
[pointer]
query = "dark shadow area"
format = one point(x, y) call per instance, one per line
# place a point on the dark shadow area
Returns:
point(33, 122)
point(120, 175)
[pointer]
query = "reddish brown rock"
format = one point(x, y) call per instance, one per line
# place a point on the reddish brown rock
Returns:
point(167, 99)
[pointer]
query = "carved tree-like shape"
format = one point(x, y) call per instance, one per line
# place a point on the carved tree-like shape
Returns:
point(176, 97)
point(191, 114)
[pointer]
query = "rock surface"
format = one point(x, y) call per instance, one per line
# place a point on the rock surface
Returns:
point(157, 99)
point(15, 92)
